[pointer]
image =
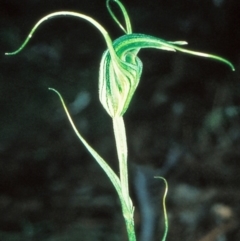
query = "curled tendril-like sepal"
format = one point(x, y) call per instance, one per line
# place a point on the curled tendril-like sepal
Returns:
point(128, 28)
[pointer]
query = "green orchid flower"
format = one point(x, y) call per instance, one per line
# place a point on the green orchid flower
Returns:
point(119, 75)
point(120, 72)
point(120, 67)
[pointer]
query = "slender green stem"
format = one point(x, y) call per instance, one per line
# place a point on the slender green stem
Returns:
point(121, 144)
point(122, 152)
point(130, 229)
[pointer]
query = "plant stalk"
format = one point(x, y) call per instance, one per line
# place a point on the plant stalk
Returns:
point(122, 152)
point(130, 229)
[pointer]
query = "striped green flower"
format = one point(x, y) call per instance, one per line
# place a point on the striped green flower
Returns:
point(120, 68)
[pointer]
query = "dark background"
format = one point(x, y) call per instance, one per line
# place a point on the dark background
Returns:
point(184, 117)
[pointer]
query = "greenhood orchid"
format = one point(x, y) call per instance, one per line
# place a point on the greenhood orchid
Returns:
point(120, 68)
point(119, 75)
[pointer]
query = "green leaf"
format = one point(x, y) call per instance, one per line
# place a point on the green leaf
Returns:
point(107, 169)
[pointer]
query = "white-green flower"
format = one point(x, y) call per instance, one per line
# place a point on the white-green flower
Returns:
point(120, 68)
